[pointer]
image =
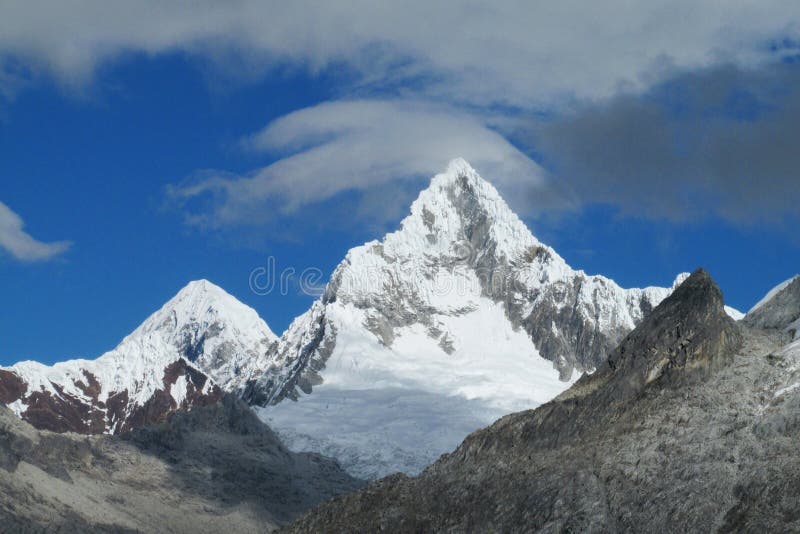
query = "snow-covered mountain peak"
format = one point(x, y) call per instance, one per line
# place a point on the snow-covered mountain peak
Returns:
point(164, 365)
point(203, 303)
point(212, 329)
point(459, 213)
point(461, 177)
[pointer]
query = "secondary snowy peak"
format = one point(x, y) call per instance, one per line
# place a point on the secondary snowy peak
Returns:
point(216, 332)
point(462, 306)
point(205, 303)
point(201, 342)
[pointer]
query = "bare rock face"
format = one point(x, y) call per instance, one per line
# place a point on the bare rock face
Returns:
point(216, 468)
point(198, 391)
point(691, 426)
point(688, 334)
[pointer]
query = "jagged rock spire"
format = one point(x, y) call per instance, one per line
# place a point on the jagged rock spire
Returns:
point(689, 330)
point(685, 336)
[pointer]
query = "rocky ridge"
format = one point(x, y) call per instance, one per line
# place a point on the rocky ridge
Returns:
point(780, 309)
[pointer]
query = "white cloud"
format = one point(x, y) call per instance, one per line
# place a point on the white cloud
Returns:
point(358, 145)
point(516, 52)
point(20, 244)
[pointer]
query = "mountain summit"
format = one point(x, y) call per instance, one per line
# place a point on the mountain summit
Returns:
point(213, 331)
point(455, 319)
point(200, 342)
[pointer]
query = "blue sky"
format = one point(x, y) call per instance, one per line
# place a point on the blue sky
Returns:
point(163, 147)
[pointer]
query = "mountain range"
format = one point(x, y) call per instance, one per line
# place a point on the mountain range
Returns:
point(457, 318)
point(497, 387)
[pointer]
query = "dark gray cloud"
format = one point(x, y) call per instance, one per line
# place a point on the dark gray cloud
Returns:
point(723, 142)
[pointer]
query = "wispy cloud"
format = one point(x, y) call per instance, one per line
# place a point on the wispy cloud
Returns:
point(21, 245)
point(356, 146)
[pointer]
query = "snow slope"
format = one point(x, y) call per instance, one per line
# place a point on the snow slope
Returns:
point(733, 313)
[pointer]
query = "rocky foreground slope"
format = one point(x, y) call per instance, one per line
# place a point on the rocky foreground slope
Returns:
point(214, 469)
point(693, 425)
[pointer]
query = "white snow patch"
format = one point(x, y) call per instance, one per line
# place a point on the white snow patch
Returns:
point(178, 390)
point(733, 313)
point(17, 407)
